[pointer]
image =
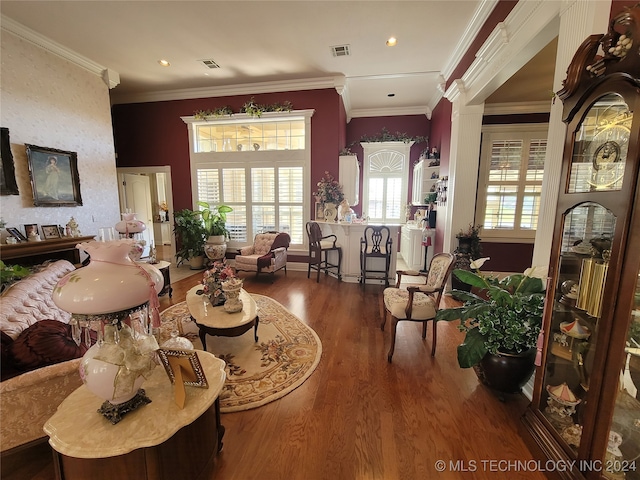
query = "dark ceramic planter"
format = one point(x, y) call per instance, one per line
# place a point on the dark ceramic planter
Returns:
point(505, 372)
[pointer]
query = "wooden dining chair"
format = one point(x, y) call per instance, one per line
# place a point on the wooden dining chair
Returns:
point(419, 302)
point(375, 243)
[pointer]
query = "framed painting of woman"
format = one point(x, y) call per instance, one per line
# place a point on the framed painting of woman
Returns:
point(54, 177)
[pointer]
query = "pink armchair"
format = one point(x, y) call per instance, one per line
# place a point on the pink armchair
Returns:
point(268, 254)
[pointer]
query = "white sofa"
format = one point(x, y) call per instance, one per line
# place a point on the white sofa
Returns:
point(29, 398)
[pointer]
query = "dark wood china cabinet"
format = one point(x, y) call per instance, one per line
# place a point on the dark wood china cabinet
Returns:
point(585, 414)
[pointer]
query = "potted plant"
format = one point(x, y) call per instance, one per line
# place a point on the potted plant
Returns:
point(502, 322)
point(468, 249)
point(215, 223)
point(215, 219)
point(191, 235)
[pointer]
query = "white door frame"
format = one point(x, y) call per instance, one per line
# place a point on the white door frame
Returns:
point(167, 188)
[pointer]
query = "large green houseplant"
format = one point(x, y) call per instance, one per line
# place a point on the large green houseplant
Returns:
point(215, 219)
point(502, 318)
point(191, 234)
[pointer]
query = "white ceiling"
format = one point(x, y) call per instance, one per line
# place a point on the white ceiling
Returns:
point(265, 45)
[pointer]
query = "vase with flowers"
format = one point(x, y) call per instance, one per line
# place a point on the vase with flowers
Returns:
point(330, 194)
point(212, 281)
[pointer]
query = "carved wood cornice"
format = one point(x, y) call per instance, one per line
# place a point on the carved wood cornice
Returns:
point(616, 52)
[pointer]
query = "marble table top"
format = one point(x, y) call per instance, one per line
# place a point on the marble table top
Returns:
point(206, 314)
point(78, 430)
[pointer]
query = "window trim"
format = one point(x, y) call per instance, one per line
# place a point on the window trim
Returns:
point(372, 148)
point(521, 131)
point(251, 158)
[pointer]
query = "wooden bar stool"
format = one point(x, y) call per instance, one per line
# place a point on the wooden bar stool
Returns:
point(319, 248)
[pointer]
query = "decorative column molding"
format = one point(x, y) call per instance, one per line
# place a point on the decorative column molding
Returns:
point(578, 20)
point(464, 158)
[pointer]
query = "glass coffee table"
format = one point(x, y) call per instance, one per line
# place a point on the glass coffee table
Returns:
point(216, 321)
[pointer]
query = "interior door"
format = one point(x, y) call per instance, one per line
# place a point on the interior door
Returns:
point(137, 199)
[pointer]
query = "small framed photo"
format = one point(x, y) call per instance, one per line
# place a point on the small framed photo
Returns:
point(54, 177)
point(31, 228)
point(50, 231)
point(17, 234)
point(184, 364)
point(319, 211)
point(183, 368)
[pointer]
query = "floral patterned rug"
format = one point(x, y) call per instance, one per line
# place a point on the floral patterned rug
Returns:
point(285, 355)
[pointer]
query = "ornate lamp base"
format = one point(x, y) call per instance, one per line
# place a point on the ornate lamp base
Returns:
point(114, 413)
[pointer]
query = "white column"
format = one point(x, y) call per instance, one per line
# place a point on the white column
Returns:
point(578, 20)
point(464, 158)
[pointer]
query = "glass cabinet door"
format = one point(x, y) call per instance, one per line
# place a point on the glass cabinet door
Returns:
point(582, 273)
point(623, 450)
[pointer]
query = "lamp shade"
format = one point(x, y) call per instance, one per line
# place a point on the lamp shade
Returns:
point(111, 282)
point(130, 224)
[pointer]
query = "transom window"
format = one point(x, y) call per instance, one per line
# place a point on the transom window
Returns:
point(242, 136)
point(510, 182)
point(263, 177)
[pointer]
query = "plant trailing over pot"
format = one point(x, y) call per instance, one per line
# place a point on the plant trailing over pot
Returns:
point(504, 317)
point(216, 112)
point(386, 136)
point(347, 150)
point(253, 109)
point(215, 219)
point(191, 234)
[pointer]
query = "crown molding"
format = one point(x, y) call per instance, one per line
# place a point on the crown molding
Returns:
point(110, 77)
point(479, 18)
point(390, 112)
point(226, 91)
point(517, 107)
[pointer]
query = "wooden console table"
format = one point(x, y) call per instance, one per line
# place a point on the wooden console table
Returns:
point(32, 253)
point(158, 441)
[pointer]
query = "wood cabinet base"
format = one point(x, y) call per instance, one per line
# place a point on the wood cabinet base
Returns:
point(190, 454)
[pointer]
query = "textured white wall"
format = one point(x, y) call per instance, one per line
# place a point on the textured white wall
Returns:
point(50, 102)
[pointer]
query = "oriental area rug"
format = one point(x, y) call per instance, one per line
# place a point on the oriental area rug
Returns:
point(285, 355)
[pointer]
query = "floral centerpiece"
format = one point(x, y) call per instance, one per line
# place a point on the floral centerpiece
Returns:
point(212, 280)
point(329, 190)
point(504, 317)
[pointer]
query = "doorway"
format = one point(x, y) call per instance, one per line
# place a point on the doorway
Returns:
point(159, 194)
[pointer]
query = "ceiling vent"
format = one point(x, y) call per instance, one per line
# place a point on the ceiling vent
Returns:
point(340, 51)
point(209, 63)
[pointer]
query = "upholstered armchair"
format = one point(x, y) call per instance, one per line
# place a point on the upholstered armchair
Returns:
point(268, 254)
point(417, 302)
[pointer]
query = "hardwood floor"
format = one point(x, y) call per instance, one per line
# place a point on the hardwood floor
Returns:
point(357, 416)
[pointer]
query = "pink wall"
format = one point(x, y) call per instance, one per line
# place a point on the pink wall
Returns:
point(153, 134)
point(441, 138)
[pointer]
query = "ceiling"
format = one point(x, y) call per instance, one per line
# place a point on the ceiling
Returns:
point(263, 46)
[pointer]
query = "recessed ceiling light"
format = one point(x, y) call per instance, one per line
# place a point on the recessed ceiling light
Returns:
point(164, 63)
point(392, 42)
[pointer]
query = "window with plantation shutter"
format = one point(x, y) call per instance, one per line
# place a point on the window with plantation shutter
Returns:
point(385, 180)
point(264, 178)
point(510, 180)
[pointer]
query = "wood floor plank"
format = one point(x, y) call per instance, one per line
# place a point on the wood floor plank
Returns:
point(357, 416)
